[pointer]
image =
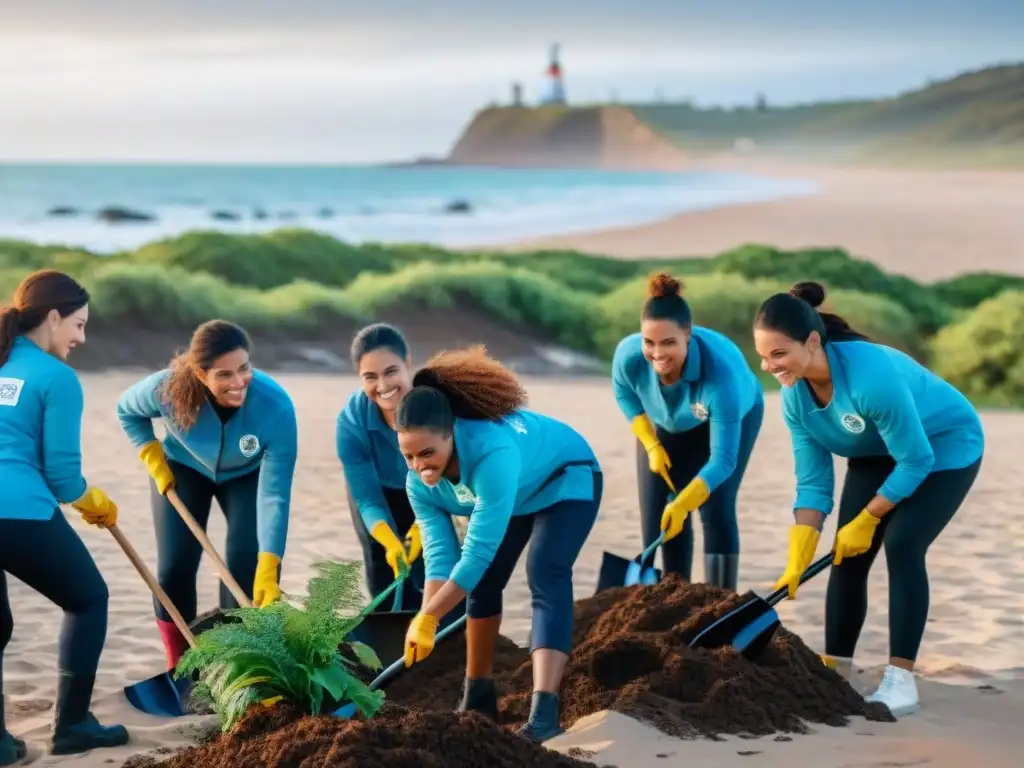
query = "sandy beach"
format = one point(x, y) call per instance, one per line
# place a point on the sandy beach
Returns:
point(974, 636)
point(929, 225)
point(972, 666)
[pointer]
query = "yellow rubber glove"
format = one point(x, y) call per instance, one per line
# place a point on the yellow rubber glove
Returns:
point(413, 543)
point(855, 537)
point(265, 589)
point(657, 456)
point(419, 638)
point(96, 507)
point(393, 548)
point(803, 543)
point(692, 496)
point(152, 455)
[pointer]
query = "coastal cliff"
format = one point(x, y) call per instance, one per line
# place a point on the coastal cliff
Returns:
point(603, 137)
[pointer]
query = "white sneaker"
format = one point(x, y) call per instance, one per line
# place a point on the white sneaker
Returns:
point(897, 691)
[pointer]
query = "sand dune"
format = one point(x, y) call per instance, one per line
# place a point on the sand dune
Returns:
point(974, 638)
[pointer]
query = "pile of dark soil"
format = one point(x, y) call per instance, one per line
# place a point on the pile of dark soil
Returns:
point(630, 654)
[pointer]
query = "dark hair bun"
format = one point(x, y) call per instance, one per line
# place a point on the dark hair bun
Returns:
point(663, 284)
point(811, 292)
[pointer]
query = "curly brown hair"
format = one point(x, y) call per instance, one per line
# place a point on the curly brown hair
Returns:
point(461, 383)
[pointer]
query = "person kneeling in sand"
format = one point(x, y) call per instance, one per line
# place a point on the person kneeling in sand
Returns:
point(231, 434)
point(519, 476)
point(41, 407)
point(696, 409)
point(914, 447)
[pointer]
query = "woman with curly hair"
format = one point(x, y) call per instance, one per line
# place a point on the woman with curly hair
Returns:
point(695, 407)
point(519, 477)
point(231, 435)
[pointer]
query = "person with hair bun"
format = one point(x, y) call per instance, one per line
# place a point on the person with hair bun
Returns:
point(696, 408)
point(230, 435)
point(41, 406)
point(913, 445)
point(475, 451)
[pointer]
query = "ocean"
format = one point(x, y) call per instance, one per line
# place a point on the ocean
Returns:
point(446, 206)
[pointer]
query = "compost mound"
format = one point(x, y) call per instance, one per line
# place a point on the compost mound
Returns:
point(631, 655)
point(396, 738)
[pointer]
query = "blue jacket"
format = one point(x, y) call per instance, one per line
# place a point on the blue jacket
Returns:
point(370, 458)
point(41, 407)
point(262, 435)
point(526, 463)
point(716, 385)
point(883, 403)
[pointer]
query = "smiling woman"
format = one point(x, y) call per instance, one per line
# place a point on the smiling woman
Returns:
point(231, 434)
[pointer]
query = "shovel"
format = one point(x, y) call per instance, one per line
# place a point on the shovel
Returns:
point(618, 571)
point(751, 627)
point(160, 695)
point(347, 711)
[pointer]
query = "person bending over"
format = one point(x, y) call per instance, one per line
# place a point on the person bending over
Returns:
point(696, 409)
point(913, 445)
point(231, 435)
point(41, 405)
point(519, 477)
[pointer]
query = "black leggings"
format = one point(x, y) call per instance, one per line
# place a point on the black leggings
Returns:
point(378, 573)
point(689, 452)
point(50, 558)
point(906, 532)
point(178, 551)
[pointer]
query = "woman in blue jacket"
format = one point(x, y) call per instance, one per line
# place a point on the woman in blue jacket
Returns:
point(696, 409)
point(375, 471)
point(231, 435)
point(913, 445)
point(519, 477)
point(41, 408)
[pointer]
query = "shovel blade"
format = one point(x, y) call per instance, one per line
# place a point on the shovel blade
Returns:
point(743, 627)
point(616, 572)
point(160, 695)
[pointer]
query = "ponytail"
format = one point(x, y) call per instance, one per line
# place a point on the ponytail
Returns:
point(9, 320)
point(460, 384)
point(183, 391)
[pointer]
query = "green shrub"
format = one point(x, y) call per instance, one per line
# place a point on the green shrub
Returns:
point(515, 295)
point(969, 290)
point(983, 354)
point(835, 268)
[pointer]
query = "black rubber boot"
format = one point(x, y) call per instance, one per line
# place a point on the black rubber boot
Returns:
point(75, 729)
point(12, 750)
point(544, 718)
point(721, 570)
point(480, 695)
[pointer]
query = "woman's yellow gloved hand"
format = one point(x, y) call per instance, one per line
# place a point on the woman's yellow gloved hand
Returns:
point(96, 507)
point(657, 456)
point(803, 543)
point(419, 638)
point(689, 499)
point(394, 550)
point(855, 537)
point(413, 543)
point(152, 455)
point(265, 589)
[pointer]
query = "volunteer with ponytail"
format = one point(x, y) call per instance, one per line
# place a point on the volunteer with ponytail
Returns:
point(913, 445)
point(231, 435)
point(519, 477)
point(41, 407)
point(696, 409)
point(375, 471)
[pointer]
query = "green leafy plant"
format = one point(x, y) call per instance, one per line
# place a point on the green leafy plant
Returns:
point(290, 652)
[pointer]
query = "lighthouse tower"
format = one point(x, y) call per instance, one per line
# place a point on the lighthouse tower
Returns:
point(555, 92)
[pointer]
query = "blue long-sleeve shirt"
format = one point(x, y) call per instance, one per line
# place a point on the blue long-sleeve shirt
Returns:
point(883, 403)
point(716, 386)
point(41, 405)
point(524, 464)
point(370, 458)
point(262, 435)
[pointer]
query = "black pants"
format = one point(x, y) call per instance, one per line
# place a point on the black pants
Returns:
point(378, 573)
point(178, 552)
point(906, 533)
point(689, 452)
point(48, 556)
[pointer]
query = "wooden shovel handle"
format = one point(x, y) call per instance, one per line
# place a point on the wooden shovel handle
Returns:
point(208, 548)
point(152, 583)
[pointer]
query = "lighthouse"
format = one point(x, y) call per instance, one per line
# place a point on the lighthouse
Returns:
point(555, 92)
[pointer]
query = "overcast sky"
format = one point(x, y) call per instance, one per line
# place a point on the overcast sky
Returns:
point(310, 81)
